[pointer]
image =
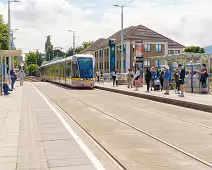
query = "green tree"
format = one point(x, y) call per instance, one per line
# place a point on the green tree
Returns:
point(69, 52)
point(194, 49)
point(87, 44)
point(79, 49)
point(59, 53)
point(32, 69)
point(3, 34)
point(49, 48)
point(31, 58)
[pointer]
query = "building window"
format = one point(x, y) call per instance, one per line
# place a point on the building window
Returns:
point(169, 51)
point(157, 63)
point(100, 53)
point(177, 51)
point(158, 47)
point(147, 47)
point(124, 63)
point(147, 63)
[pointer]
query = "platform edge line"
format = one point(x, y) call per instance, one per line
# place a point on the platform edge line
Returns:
point(82, 145)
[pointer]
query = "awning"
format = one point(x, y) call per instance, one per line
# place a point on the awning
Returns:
point(10, 53)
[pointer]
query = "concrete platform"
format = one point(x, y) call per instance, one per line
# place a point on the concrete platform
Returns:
point(34, 137)
point(202, 102)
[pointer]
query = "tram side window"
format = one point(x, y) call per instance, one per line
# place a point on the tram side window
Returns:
point(75, 71)
point(62, 70)
point(68, 69)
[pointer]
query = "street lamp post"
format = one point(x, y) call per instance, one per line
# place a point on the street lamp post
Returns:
point(48, 50)
point(37, 61)
point(9, 31)
point(122, 36)
point(73, 41)
point(13, 44)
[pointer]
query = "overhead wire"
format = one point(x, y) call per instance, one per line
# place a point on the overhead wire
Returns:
point(59, 12)
point(99, 22)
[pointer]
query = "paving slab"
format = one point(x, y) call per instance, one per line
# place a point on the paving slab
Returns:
point(45, 143)
point(33, 138)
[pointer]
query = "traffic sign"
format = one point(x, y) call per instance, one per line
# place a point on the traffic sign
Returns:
point(20, 59)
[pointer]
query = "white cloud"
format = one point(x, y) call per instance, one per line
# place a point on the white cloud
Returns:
point(186, 21)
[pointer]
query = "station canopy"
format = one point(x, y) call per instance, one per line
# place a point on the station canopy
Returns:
point(184, 56)
point(10, 53)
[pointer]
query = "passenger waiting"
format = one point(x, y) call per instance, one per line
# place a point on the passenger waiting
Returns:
point(6, 88)
point(115, 78)
point(203, 78)
point(167, 80)
point(130, 76)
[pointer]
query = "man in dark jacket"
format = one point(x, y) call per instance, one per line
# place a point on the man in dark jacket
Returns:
point(148, 77)
point(181, 80)
point(13, 77)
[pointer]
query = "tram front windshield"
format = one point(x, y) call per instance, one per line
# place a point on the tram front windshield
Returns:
point(85, 67)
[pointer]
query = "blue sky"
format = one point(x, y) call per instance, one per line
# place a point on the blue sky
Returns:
point(186, 21)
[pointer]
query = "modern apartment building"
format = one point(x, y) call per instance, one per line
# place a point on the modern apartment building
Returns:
point(154, 44)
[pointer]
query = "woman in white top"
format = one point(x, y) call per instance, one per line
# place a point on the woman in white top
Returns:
point(136, 78)
point(115, 78)
point(21, 77)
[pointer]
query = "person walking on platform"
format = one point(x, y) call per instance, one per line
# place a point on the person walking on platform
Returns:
point(154, 75)
point(148, 77)
point(130, 76)
point(115, 78)
point(102, 78)
point(181, 80)
point(136, 78)
point(13, 77)
point(98, 76)
point(21, 77)
point(161, 78)
point(167, 80)
point(203, 78)
point(176, 77)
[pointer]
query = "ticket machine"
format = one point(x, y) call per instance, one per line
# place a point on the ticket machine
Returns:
point(192, 79)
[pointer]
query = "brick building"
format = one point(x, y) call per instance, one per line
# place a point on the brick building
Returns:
point(155, 45)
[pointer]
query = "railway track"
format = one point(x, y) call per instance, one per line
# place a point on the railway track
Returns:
point(161, 113)
point(32, 79)
point(153, 137)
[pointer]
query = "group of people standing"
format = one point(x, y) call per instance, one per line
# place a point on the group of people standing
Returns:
point(13, 77)
point(159, 79)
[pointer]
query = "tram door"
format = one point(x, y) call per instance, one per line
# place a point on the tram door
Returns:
point(68, 73)
point(75, 71)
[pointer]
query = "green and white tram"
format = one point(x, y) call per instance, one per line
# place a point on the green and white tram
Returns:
point(74, 71)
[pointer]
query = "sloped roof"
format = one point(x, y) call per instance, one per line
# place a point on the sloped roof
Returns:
point(139, 32)
point(96, 43)
point(174, 44)
point(116, 36)
point(143, 33)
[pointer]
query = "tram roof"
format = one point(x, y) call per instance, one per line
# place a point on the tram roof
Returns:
point(68, 58)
